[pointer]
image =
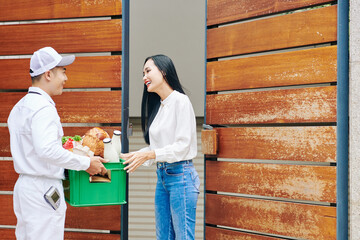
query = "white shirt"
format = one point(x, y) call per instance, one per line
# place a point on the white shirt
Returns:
point(35, 138)
point(172, 133)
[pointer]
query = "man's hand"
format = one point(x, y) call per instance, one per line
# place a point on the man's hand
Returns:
point(96, 166)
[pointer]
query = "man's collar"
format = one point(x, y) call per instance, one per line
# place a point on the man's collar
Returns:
point(41, 92)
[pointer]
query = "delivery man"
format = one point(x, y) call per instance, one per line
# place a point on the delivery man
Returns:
point(39, 158)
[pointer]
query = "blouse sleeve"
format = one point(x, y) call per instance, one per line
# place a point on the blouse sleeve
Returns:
point(185, 130)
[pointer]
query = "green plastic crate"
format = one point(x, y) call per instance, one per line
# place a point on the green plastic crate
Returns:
point(80, 192)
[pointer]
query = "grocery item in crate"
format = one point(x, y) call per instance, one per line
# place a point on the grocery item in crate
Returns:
point(82, 150)
point(116, 141)
point(94, 140)
point(69, 141)
point(109, 151)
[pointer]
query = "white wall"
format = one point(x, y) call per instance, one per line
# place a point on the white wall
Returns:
point(173, 28)
point(354, 124)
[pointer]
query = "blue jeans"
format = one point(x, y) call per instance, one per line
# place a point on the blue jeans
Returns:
point(176, 196)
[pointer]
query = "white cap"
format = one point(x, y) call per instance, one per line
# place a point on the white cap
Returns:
point(46, 59)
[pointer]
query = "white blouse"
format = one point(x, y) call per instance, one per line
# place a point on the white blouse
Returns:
point(172, 134)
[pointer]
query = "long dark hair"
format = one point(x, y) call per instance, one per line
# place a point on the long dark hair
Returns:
point(151, 101)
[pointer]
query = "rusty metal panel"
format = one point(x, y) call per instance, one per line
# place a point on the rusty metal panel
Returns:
point(314, 144)
point(311, 66)
point(213, 233)
point(292, 30)
point(281, 218)
point(209, 142)
point(312, 183)
point(222, 11)
point(317, 104)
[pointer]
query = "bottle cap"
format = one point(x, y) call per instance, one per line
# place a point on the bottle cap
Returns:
point(107, 140)
point(117, 132)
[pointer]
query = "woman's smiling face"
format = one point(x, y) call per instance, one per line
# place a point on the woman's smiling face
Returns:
point(152, 77)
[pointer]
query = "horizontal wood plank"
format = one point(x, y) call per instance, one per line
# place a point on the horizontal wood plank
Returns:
point(76, 217)
point(281, 218)
point(75, 107)
point(90, 236)
point(7, 216)
point(65, 37)
point(313, 144)
point(311, 66)
point(303, 105)
point(89, 107)
point(292, 30)
point(209, 142)
point(68, 131)
point(8, 176)
point(85, 72)
point(4, 142)
point(224, 11)
point(313, 183)
point(9, 234)
point(213, 233)
point(52, 9)
point(71, 131)
point(101, 217)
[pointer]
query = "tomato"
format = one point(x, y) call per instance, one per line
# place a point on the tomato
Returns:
point(68, 144)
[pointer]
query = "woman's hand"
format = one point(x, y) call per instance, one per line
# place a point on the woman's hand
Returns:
point(136, 159)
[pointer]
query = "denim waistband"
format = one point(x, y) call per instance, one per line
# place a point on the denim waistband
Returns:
point(166, 164)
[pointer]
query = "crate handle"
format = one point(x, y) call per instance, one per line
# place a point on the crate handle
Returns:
point(106, 178)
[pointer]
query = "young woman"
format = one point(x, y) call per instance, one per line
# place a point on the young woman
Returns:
point(169, 127)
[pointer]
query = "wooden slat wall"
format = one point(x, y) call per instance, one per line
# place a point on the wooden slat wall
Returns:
point(102, 71)
point(271, 98)
point(52, 9)
point(94, 79)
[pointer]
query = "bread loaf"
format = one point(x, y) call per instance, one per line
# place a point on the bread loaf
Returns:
point(94, 140)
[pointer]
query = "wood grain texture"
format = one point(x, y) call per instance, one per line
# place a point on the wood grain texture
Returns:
point(52, 9)
point(65, 37)
point(90, 236)
point(292, 30)
point(85, 72)
point(89, 107)
point(4, 142)
point(80, 217)
point(282, 218)
point(314, 144)
point(313, 183)
point(8, 176)
point(303, 105)
point(9, 234)
point(222, 11)
point(209, 142)
point(71, 131)
point(7, 216)
point(75, 107)
point(68, 131)
point(102, 217)
point(318, 65)
point(213, 233)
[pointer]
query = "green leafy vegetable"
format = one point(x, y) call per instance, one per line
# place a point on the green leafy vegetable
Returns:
point(75, 138)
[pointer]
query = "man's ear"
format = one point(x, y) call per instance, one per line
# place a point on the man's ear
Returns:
point(47, 75)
